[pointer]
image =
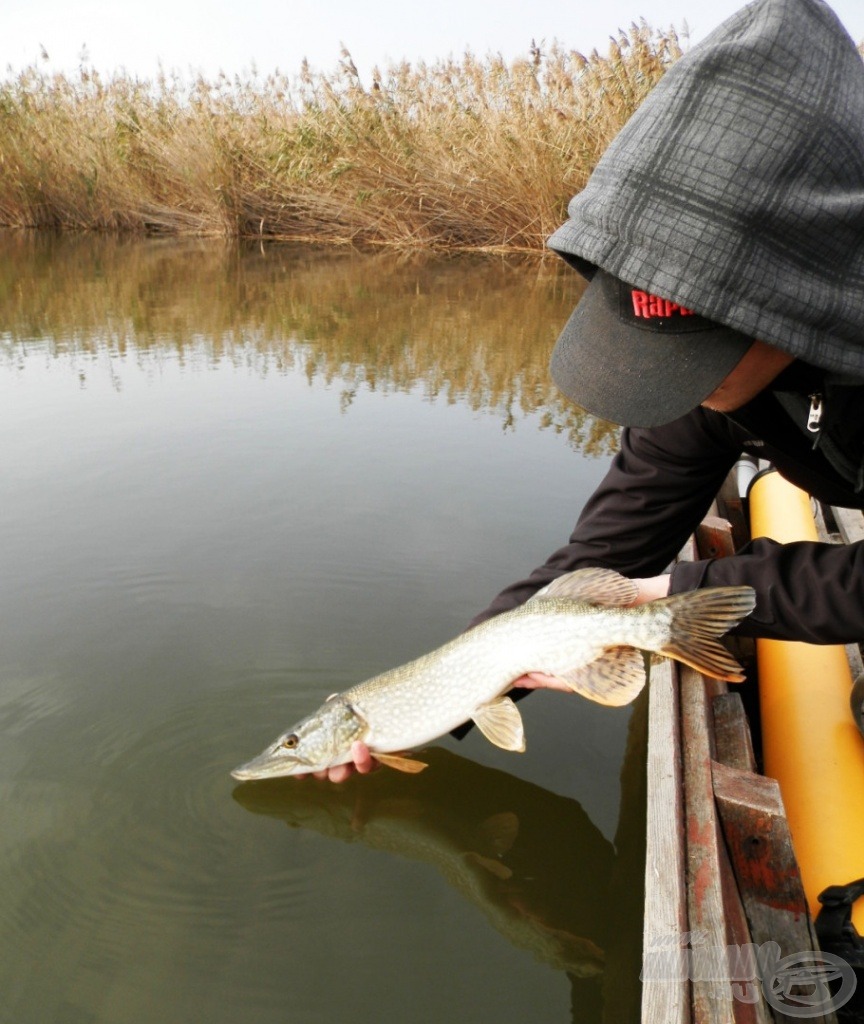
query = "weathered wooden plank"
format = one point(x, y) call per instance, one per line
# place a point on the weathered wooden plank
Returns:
point(850, 523)
point(715, 914)
point(856, 662)
point(714, 538)
point(754, 825)
point(757, 834)
point(732, 739)
point(730, 506)
point(749, 1004)
point(666, 998)
point(689, 553)
point(712, 996)
point(823, 528)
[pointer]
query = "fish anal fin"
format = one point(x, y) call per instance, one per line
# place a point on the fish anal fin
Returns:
point(593, 586)
point(707, 656)
point(400, 763)
point(501, 724)
point(494, 867)
point(614, 679)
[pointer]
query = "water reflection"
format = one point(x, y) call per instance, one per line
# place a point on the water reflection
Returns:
point(199, 546)
point(365, 320)
point(530, 860)
point(502, 843)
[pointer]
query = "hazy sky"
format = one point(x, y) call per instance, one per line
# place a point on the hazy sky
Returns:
point(213, 35)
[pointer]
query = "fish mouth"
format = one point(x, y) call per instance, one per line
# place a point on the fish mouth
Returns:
point(266, 766)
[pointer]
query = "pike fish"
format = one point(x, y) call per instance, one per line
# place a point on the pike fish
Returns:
point(579, 629)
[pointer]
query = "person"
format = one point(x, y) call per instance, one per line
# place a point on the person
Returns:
point(722, 238)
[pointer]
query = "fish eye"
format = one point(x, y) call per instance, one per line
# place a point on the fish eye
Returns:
point(290, 742)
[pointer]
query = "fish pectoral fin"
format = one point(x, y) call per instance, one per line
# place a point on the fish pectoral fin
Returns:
point(593, 586)
point(613, 679)
point(501, 724)
point(400, 763)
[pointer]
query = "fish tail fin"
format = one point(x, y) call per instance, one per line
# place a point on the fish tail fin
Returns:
point(698, 619)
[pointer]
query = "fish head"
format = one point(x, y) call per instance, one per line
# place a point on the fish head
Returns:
point(321, 740)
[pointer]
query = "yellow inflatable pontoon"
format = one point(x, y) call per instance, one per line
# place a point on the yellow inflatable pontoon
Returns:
point(810, 742)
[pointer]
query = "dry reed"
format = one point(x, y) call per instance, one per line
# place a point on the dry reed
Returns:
point(469, 153)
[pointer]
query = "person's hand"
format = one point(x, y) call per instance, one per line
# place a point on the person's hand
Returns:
point(540, 681)
point(363, 762)
point(650, 589)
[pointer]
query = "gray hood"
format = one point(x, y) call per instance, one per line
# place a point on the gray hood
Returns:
point(737, 187)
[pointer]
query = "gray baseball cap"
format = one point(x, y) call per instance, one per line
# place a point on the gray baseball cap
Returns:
point(638, 359)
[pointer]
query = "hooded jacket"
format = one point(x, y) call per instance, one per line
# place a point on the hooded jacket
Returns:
point(737, 187)
point(737, 190)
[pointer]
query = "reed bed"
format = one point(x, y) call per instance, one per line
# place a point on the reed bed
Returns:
point(470, 153)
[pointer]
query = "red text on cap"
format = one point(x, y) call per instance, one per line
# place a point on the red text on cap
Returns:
point(652, 306)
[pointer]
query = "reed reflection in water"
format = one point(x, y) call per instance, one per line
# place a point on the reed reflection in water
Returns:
point(236, 481)
point(471, 329)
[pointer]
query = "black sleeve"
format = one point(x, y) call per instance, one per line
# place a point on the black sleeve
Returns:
point(804, 591)
point(656, 492)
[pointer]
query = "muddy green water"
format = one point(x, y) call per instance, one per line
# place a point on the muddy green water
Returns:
point(233, 482)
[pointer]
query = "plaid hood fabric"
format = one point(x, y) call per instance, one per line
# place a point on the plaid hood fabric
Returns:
point(737, 187)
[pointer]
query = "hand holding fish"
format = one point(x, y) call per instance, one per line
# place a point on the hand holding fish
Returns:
point(585, 632)
point(363, 761)
point(651, 588)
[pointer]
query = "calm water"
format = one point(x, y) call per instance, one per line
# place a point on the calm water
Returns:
point(235, 482)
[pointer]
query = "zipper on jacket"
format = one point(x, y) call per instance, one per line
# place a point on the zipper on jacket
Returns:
point(814, 416)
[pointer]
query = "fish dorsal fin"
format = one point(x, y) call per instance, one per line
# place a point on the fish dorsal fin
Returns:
point(593, 586)
point(615, 678)
point(401, 764)
point(501, 724)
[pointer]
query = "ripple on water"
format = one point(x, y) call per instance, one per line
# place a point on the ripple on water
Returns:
point(28, 699)
point(37, 818)
point(181, 822)
point(149, 855)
